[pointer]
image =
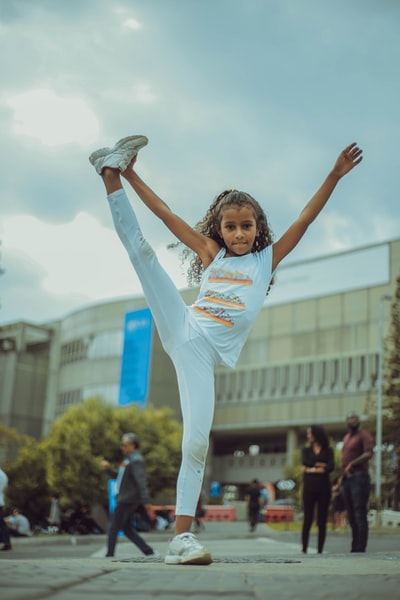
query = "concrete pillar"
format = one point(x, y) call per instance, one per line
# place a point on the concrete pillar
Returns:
point(52, 380)
point(8, 370)
point(291, 445)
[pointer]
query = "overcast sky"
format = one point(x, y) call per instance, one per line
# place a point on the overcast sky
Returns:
point(260, 95)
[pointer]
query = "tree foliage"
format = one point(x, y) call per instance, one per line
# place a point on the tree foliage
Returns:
point(28, 489)
point(10, 437)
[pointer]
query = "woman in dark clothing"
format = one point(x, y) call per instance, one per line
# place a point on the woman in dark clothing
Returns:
point(317, 460)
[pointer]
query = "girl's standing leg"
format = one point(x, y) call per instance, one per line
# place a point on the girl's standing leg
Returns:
point(194, 363)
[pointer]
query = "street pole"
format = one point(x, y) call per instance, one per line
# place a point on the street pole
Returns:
point(378, 453)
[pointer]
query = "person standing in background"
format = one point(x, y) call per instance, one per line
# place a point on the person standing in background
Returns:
point(356, 485)
point(254, 503)
point(318, 461)
point(132, 493)
point(54, 518)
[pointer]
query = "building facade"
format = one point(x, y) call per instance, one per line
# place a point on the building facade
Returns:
point(311, 357)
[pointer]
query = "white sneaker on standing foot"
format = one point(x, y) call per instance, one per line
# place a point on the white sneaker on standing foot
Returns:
point(120, 156)
point(185, 549)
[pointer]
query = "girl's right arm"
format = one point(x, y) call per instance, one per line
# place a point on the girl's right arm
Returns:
point(204, 247)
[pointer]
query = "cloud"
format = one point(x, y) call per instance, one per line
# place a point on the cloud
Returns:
point(52, 119)
point(79, 255)
point(70, 264)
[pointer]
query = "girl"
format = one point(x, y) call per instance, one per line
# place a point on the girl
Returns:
point(318, 461)
point(235, 260)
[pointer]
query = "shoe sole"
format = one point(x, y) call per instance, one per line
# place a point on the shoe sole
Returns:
point(141, 140)
point(201, 559)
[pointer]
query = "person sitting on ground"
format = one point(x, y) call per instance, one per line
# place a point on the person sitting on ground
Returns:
point(18, 525)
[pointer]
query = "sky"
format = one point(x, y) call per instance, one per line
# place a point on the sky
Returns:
point(258, 95)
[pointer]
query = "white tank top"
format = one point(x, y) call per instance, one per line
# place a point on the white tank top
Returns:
point(232, 293)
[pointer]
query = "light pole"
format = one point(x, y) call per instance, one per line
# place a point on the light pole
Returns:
point(378, 453)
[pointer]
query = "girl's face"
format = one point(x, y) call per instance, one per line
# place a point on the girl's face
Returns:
point(238, 229)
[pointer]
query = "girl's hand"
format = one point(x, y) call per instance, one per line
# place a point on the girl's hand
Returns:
point(129, 167)
point(347, 160)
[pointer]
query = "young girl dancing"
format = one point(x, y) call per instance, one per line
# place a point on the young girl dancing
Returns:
point(234, 262)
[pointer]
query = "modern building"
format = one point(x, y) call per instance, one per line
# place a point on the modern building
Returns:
point(311, 357)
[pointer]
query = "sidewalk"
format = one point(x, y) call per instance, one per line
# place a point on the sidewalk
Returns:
point(259, 567)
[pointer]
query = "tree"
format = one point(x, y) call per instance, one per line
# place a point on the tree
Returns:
point(90, 431)
point(28, 489)
point(391, 398)
point(11, 440)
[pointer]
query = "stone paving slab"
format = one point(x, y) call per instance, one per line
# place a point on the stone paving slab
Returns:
point(355, 577)
point(246, 568)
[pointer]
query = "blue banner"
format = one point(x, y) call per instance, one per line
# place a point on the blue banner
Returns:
point(136, 358)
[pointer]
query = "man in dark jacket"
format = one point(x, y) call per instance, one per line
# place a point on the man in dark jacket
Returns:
point(131, 492)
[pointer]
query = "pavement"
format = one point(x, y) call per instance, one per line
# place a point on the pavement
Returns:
point(263, 565)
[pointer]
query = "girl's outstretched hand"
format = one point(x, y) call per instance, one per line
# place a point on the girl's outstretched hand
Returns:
point(349, 158)
point(129, 167)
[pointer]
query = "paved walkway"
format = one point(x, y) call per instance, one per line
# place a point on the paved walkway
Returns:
point(244, 568)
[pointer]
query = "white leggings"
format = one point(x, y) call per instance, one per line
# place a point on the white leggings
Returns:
point(193, 356)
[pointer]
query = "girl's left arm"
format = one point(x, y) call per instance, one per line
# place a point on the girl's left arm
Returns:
point(350, 157)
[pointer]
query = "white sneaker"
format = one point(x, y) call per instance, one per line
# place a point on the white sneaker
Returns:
point(120, 156)
point(184, 549)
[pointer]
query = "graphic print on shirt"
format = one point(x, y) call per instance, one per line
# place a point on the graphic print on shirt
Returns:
point(231, 300)
point(224, 276)
point(224, 299)
point(216, 314)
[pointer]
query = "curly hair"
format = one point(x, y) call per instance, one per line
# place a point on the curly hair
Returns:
point(320, 435)
point(209, 227)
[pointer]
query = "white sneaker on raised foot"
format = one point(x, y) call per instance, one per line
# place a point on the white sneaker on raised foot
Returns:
point(120, 156)
point(184, 549)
